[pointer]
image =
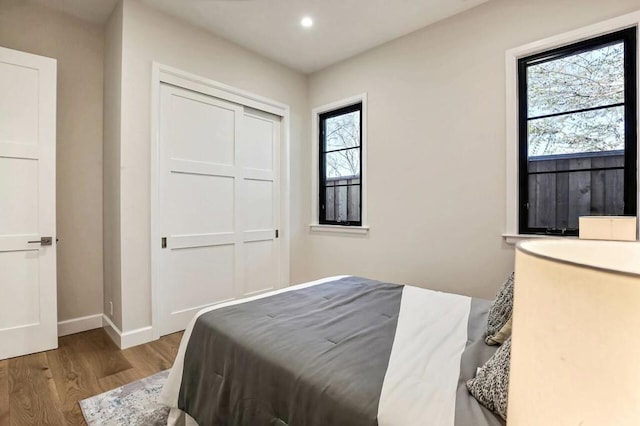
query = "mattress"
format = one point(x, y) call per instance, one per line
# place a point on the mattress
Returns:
point(339, 351)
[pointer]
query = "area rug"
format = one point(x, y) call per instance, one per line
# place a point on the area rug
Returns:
point(132, 404)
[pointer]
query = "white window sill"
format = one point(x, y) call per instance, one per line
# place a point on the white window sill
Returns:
point(338, 229)
point(515, 238)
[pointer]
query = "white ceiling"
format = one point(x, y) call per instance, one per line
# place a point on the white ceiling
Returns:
point(342, 28)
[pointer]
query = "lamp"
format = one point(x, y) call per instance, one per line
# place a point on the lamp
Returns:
point(575, 355)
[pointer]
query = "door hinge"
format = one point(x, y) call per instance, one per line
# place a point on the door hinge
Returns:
point(164, 242)
point(277, 233)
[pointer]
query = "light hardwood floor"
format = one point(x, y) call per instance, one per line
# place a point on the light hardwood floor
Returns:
point(44, 388)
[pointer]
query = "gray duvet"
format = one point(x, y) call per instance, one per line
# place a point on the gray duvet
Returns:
point(310, 357)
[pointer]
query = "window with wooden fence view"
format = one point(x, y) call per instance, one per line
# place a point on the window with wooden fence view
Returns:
point(577, 126)
point(340, 175)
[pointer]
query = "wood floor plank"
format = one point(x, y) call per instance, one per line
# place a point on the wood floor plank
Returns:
point(121, 378)
point(33, 397)
point(44, 388)
point(4, 392)
point(97, 352)
point(171, 343)
point(146, 360)
point(72, 383)
point(149, 358)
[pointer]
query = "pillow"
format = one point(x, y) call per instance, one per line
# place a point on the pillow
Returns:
point(499, 322)
point(491, 384)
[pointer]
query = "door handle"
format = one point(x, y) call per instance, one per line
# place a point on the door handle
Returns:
point(45, 241)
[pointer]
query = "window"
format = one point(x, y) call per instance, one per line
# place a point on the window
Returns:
point(340, 166)
point(577, 133)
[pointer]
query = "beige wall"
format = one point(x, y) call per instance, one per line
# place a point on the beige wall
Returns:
point(111, 168)
point(149, 35)
point(78, 47)
point(437, 146)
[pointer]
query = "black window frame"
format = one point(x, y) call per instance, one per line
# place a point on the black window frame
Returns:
point(322, 192)
point(629, 38)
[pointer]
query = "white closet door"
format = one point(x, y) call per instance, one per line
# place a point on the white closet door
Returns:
point(28, 306)
point(260, 208)
point(218, 203)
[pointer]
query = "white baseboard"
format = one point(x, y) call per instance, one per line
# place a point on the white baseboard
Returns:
point(112, 330)
point(127, 339)
point(78, 325)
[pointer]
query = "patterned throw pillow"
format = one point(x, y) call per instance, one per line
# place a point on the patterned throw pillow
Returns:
point(491, 384)
point(499, 323)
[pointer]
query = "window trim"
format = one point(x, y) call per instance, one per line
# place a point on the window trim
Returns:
point(511, 231)
point(315, 225)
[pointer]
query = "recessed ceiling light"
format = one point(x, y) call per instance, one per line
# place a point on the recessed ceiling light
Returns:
point(306, 22)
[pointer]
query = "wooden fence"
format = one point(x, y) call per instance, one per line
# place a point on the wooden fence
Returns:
point(563, 187)
point(343, 199)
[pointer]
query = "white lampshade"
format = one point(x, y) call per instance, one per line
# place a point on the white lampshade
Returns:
point(575, 356)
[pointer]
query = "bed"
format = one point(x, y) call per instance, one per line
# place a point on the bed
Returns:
point(339, 351)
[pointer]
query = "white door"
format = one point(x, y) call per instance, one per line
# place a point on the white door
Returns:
point(218, 203)
point(28, 310)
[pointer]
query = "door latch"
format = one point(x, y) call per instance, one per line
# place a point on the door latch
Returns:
point(44, 241)
point(164, 242)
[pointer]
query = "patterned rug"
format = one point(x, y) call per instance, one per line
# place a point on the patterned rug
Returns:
point(132, 404)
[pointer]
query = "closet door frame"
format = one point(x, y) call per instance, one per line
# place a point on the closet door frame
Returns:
point(165, 74)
